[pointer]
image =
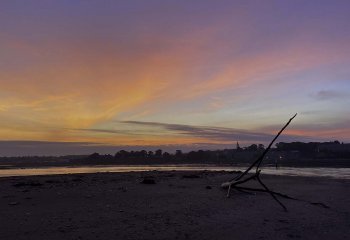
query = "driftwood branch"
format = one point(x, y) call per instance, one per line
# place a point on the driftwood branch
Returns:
point(261, 158)
point(236, 182)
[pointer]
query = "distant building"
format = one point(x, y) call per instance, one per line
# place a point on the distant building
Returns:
point(238, 148)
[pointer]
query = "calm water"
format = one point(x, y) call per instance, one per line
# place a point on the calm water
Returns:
point(341, 173)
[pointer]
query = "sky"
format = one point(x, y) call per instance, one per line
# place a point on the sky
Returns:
point(82, 76)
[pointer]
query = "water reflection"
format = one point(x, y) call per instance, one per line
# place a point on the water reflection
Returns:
point(340, 173)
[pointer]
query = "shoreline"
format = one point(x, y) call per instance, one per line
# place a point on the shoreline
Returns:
point(180, 205)
point(38, 163)
point(337, 173)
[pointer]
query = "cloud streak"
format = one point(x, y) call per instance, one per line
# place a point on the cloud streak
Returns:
point(329, 95)
point(213, 133)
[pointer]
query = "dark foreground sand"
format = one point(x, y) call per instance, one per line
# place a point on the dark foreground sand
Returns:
point(178, 206)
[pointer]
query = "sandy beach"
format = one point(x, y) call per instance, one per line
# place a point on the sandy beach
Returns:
point(179, 205)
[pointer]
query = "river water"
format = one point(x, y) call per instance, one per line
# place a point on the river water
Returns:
point(340, 173)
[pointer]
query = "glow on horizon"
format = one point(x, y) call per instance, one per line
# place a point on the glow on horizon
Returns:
point(77, 72)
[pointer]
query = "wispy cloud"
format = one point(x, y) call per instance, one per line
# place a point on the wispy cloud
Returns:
point(212, 133)
point(110, 131)
point(329, 95)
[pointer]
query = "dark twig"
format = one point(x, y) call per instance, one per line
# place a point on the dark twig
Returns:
point(271, 193)
point(281, 195)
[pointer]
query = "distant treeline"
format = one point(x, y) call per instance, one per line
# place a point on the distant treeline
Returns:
point(159, 157)
point(295, 153)
point(333, 149)
point(283, 152)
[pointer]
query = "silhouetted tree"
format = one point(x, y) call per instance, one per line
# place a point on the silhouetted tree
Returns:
point(158, 153)
point(178, 154)
point(252, 147)
point(143, 153)
point(261, 147)
point(94, 156)
point(150, 154)
point(122, 154)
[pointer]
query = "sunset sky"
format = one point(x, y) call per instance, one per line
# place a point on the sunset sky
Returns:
point(77, 76)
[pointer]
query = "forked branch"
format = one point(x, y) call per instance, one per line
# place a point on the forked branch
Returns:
point(241, 179)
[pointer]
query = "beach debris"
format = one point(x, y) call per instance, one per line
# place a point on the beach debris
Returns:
point(190, 176)
point(148, 180)
point(77, 179)
point(242, 178)
point(52, 181)
point(8, 196)
point(123, 189)
point(30, 184)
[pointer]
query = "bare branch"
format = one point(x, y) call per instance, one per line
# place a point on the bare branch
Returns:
point(237, 181)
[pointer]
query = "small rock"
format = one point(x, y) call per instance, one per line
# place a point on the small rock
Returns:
point(190, 176)
point(52, 181)
point(283, 221)
point(77, 180)
point(148, 181)
point(31, 184)
point(13, 203)
point(208, 187)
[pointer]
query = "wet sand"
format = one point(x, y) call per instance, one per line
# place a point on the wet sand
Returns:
point(180, 205)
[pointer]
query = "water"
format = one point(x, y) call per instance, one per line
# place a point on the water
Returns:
point(340, 173)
